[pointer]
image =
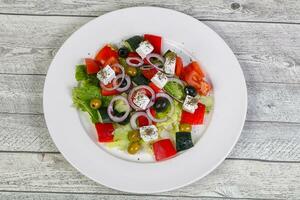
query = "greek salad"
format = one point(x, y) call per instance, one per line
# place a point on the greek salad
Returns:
point(134, 92)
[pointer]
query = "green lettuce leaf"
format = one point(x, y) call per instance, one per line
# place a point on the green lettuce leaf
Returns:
point(120, 137)
point(208, 101)
point(81, 75)
point(172, 124)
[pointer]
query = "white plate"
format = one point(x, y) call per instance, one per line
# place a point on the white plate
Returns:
point(79, 146)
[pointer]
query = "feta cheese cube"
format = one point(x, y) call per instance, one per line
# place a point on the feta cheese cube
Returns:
point(144, 49)
point(141, 100)
point(149, 133)
point(106, 75)
point(190, 104)
point(159, 79)
point(170, 65)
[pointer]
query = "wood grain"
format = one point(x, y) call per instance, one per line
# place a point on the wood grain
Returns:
point(267, 101)
point(234, 178)
point(58, 196)
point(259, 140)
point(238, 10)
point(266, 52)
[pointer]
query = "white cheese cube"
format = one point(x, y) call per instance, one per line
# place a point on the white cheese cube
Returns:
point(159, 79)
point(190, 104)
point(144, 49)
point(170, 65)
point(106, 75)
point(149, 133)
point(141, 100)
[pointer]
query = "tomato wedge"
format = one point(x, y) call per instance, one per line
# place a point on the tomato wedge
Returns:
point(204, 88)
point(194, 66)
point(179, 66)
point(92, 66)
point(155, 41)
point(154, 87)
point(109, 92)
point(106, 53)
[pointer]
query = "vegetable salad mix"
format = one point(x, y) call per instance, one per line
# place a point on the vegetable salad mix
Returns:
point(135, 92)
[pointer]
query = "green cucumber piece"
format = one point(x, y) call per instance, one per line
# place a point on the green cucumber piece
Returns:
point(120, 106)
point(133, 43)
point(183, 141)
point(104, 115)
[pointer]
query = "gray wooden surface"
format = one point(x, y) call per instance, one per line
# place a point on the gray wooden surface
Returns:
point(265, 37)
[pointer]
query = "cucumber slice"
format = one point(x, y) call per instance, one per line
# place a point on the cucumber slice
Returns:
point(133, 43)
point(104, 116)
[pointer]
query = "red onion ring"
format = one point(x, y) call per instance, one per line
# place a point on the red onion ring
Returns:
point(164, 95)
point(110, 109)
point(136, 89)
point(155, 55)
point(134, 118)
point(118, 85)
point(140, 61)
point(126, 78)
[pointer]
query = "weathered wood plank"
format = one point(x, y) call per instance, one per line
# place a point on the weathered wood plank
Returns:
point(24, 133)
point(259, 47)
point(267, 101)
point(234, 178)
point(57, 196)
point(239, 10)
point(259, 140)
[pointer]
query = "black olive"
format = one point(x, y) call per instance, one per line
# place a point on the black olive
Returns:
point(123, 52)
point(190, 90)
point(161, 104)
point(124, 83)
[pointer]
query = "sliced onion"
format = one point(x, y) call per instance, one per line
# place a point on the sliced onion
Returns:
point(135, 116)
point(155, 55)
point(164, 95)
point(110, 109)
point(146, 67)
point(126, 78)
point(130, 59)
point(117, 85)
point(134, 90)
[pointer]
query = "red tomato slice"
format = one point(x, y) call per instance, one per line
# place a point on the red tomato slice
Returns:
point(105, 132)
point(204, 88)
point(133, 54)
point(92, 66)
point(194, 66)
point(179, 66)
point(111, 61)
point(163, 149)
point(142, 121)
point(106, 53)
point(155, 41)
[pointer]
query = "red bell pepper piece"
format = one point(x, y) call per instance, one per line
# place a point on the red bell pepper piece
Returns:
point(106, 53)
point(163, 149)
point(109, 92)
point(179, 66)
point(92, 66)
point(154, 87)
point(193, 118)
point(149, 73)
point(155, 41)
point(105, 132)
point(142, 121)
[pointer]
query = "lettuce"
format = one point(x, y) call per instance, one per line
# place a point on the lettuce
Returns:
point(207, 101)
point(120, 137)
point(172, 124)
point(82, 76)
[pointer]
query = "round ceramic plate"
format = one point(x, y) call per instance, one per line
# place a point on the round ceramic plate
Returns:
point(77, 141)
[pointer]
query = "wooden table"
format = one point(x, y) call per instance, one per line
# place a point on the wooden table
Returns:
point(265, 37)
